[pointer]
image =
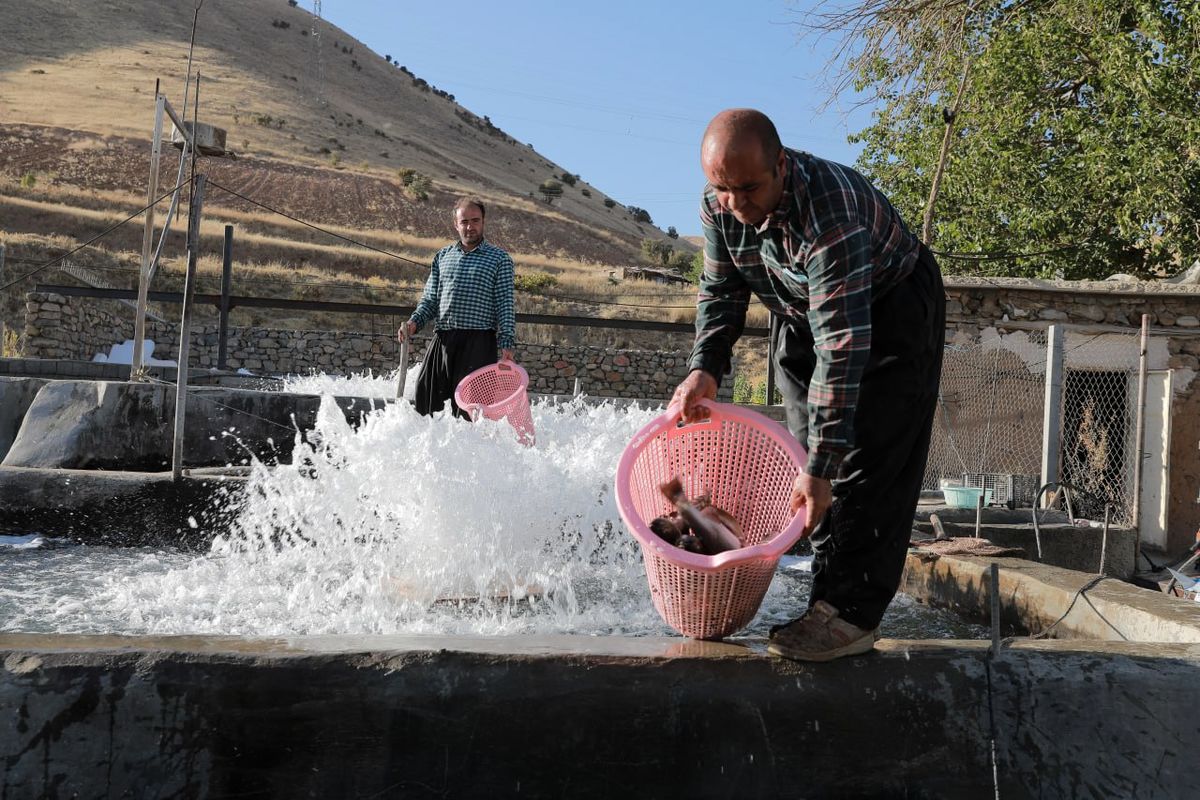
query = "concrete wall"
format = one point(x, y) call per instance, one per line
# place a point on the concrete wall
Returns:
point(105, 425)
point(1103, 314)
point(16, 395)
point(580, 717)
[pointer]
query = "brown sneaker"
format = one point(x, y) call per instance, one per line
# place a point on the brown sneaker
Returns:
point(820, 635)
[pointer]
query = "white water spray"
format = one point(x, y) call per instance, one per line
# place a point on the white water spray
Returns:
point(414, 524)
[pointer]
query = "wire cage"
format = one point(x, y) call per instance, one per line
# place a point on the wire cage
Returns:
point(747, 463)
point(1006, 489)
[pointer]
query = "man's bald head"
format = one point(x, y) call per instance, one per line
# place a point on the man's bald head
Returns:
point(738, 132)
point(744, 162)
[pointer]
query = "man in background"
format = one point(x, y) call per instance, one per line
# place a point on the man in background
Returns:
point(859, 358)
point(469, 298)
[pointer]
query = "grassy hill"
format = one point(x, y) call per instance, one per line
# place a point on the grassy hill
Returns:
point(303, 102)
point(319, 128)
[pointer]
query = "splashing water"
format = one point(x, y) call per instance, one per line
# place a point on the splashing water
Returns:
point(359, 384)
point(408, 524)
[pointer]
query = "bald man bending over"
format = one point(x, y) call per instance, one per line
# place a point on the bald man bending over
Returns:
point(858, 359)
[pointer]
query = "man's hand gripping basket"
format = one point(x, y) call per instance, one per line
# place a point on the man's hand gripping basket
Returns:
point(748, 464)
point(498, 391)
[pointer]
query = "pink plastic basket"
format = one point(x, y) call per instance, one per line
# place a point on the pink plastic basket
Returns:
point(498, 391)
point(748, 463)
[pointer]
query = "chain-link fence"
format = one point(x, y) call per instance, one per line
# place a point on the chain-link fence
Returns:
point(988, 431)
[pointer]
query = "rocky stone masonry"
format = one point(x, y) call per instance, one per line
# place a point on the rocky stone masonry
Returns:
point(61, 327)
point(1174, 310)
point(76, 328)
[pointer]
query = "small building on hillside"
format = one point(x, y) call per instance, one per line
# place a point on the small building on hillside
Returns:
point(663, 276)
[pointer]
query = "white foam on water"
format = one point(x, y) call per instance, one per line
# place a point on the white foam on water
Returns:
point(415, 524)
point(408, 524)
point(359, 384)
point(31, 541)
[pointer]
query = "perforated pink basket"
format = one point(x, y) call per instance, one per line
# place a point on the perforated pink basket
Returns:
point(498, 391)
point(748, 464)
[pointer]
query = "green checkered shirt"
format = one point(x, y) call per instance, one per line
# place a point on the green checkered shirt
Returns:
point(470, 291)
point(832, 244)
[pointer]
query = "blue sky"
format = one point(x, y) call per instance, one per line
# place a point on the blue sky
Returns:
point(618, 92)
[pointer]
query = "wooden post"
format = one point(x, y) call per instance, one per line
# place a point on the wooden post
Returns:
point(1139, 449)
point(226, 284)
point(139, 320)
point(1052, 411)
point(185, 324)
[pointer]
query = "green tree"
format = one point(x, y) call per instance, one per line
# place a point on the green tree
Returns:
point(657, 252)
point(680, 262)
point(1068, 130)
point(550, 190)
point(640, 215)
point(672, 233)
point(697, 268)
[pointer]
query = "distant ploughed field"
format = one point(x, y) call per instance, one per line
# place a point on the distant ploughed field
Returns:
point(323, 196)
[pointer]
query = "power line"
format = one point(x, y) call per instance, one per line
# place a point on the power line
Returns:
point(326, 231)
point(95, 238)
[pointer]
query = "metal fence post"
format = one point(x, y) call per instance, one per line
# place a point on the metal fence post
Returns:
point(772, 343)
point(226, 284)
point(139, 320)
point(1139, 447)
point(1052, 411)
point(3, 328)
point(185, 324)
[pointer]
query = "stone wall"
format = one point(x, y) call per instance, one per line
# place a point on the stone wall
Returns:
point(60, 327)
point(76, 328)
point(1025, 304)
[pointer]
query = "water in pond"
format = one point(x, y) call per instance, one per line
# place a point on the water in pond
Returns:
point(400, 526)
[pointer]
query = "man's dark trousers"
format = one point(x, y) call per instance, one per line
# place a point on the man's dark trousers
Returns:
point(451, 356)
point(861, 544)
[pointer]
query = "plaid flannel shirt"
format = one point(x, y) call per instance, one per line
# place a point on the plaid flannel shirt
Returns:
point(470, 291)
point(832, 244)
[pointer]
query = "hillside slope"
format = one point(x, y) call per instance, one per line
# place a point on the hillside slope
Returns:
point(320, 123)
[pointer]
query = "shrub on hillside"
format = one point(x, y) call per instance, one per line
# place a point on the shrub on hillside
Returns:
point(609, 202)
point(415, 184)
point(550, 190)
point(420, 187)
point(640, 215)
point(534, 282)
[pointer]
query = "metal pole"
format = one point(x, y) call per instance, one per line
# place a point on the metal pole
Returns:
point(1052, 411)
point(185, 324)
point(772, 343)
point(1140, 436)
point(226, 285)
point(994, 582)
point(139, 319)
